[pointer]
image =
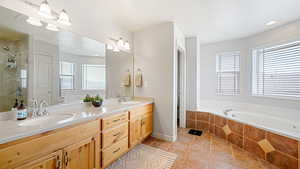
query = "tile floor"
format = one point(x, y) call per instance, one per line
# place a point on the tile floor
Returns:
point(208, 152)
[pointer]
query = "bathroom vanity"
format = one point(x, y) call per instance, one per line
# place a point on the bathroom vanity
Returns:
point(90, 140)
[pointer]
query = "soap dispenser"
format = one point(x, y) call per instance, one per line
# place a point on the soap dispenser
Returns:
point(21, 112)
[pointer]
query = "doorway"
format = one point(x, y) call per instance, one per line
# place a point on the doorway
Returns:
point(180, 89)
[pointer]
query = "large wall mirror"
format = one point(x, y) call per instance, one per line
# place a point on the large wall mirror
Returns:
point(58, 67)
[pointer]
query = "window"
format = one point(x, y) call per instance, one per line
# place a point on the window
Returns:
point(276, 71)
point(228, 73)
point(93, 76)
point(23, 77)
point(67, 72)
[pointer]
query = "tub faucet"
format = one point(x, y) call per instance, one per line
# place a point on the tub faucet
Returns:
point(226, 111)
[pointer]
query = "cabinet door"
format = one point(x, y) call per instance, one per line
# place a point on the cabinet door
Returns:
point(147, 125)
point(135, 131)
point(51, 161)
point(83, 155)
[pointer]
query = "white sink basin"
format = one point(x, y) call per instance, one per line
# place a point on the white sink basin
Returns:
point(55, 118)
point(131, 102)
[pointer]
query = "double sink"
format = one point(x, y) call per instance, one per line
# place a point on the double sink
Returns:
point(52, 118)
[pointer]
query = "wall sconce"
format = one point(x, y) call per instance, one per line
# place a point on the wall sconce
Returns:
point(45, 11)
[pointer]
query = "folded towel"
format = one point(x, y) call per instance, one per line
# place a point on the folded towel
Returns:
point(138, 80)
point(126, 80)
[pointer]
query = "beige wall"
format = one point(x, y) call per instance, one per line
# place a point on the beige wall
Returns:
point(155, 52)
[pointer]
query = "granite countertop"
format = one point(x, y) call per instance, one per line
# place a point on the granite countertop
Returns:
point(62, 116)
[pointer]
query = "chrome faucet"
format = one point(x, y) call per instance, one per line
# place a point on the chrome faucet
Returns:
point(226, 111)
point(43, 110)
point(122, 99)
point(34, 108)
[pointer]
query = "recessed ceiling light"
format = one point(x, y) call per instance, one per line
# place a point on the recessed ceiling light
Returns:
point(271, 23)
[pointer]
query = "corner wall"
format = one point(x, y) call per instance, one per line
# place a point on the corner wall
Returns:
point(154, 55)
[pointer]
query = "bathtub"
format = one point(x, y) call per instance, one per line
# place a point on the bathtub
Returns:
point(270, 133)
point(273, 124)
point(268, 118)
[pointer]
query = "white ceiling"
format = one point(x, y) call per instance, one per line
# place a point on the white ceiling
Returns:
point(211, 20)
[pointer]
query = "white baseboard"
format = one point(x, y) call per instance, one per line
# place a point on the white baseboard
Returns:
point(164, 137)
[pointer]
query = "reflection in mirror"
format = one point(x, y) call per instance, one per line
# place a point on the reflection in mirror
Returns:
point(58, 67)
point(82, 67)
point(13, 67)
point(119, 74)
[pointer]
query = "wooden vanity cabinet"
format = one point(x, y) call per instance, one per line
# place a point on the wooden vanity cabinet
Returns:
point(147, 126)
point(51, 161)
point(90, 145)
point(58, 149)
point(82, 155)
point(135, 130)
point(141, 124)
point(114, 137)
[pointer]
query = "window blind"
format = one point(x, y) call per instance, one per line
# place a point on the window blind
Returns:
point(276, 71)
point(228, 73)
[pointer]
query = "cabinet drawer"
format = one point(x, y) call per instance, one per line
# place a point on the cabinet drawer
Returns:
point(147, 109)
point(112, 121)
point(114, 152)
point(114, 135)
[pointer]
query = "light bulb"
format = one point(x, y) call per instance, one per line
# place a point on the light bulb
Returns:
point(34, 21)
point(52, 27)
point(116, 49)
point(45, 10)
point(120, 42)
point(271, 23)
point(109, 47)
point(126, 45)
point(64, 18)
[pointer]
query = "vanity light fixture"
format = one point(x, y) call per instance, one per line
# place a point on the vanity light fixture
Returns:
point(45, 10)
point(271, 23)
point(51, 18)
point(64, 18)
point(34, 21)
point(52, 27)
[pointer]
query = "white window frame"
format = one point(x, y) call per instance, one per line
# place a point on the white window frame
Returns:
point(253, 67)
point(67, 75)
point(83, 76)
point(236, 88)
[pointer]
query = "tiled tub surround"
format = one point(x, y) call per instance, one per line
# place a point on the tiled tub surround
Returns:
point(277, 149)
